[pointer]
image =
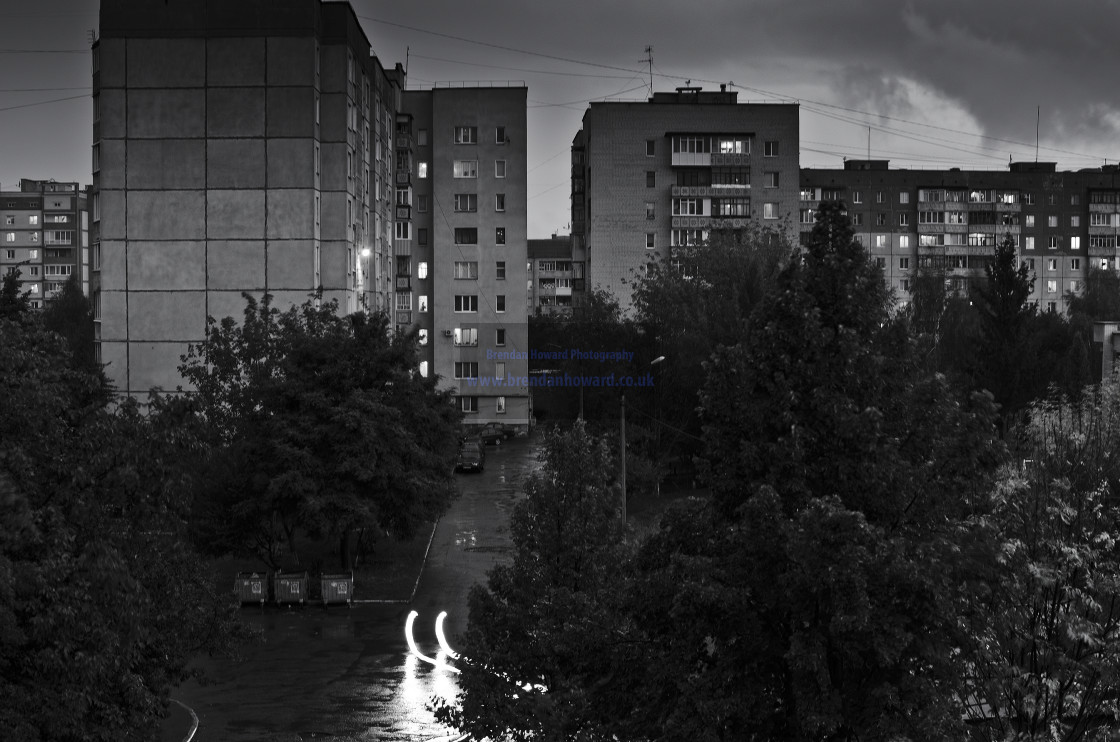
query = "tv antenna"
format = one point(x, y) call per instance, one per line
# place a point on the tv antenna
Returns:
point(649, 60)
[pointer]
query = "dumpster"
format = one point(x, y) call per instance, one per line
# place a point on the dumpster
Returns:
point(337, 588)
point(290, 587)
point(251, 587)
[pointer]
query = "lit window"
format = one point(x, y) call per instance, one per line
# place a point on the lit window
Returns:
point(500, 405)
point(882, 240)
point(1051, 287)
point(1075, 243)
point(769, 211)
point(904, 197)
point(465, 168)
point(466, 336)
point(1028, 243)
point(34, 219)
point(1074, 221)
point(424, 369)
point(1052, 221)
point(422, 170)
point(422, 337)
point(651, 210)
point(422, 270)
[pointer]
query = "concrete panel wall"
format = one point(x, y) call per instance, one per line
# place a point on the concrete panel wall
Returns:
point(222, 304)
point(166, 315)
point(112, 216)
point(166, 215)
point(155, 366)
point(291, 60)
point(166, 265)
point(166, 63)
point(291, 163)
point(284, 300)
point(235, 61)
point(332, 226)
point(334, 266)
point(112, 163)
point(114, 314)
point(112, 121)
point(235, 112)
point(235, 214)
point(333, 175)
point(291, 264)
point(235, 265)
point(115, 357)
point(235, 163)
point(291, 112)
point(166, 163)
point(112, 268)
point(111, 62)
point(165, 113)
point(291, 213)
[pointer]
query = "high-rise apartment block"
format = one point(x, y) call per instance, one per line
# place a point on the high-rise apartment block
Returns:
point(238, 147)
point(1063, 223)
point(45, 237)
point(651, 176)
point(461, 242)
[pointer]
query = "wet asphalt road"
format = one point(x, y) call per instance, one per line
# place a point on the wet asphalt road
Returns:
point(341, 674)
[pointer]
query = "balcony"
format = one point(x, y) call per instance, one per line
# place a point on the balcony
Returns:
point(709, 222)
point(404, 141)
point(692, 159)
point(404, 317)
point(720, 159)
point(709, 191)
point(403, 213)
point(402, 247)
point(404, 177)
point(404, 283)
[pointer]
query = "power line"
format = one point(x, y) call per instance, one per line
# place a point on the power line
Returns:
point(43, 102)
point(44, 51)
point(523, 69)
point(43, 90)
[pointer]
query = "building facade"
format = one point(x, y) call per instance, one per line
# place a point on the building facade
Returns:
point(238, 148)
point(664, 173)
point(461, 243)
point(1063, 223)
point(556, 281)
point(46, 237)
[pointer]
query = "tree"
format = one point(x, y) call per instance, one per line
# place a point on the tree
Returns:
point(826, 433)
point(540, 635)
point(13, 304)
point(1045, 655)
point(93, 629)
point(332, 427)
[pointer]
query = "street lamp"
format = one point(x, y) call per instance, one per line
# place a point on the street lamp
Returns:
point(622, 442)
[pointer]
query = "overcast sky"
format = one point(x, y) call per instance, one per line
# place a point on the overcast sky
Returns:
point(954, 83)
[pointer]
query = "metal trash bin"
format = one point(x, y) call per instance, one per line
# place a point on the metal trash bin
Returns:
point(337, 588)
point(289, 588)
point(251, 587)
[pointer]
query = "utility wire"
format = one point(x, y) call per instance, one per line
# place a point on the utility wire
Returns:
point(43, 102)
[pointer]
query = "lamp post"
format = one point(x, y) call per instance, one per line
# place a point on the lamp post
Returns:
point(622, 442)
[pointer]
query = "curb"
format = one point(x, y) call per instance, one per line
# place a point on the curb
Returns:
point(194, 720)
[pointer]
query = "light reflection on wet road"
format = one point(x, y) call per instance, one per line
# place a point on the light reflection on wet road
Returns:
point(339, 674)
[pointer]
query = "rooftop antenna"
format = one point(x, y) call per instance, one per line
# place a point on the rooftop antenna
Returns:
point(869, 144)
point(649, 60)
point(406, 50)
point(1037, 116)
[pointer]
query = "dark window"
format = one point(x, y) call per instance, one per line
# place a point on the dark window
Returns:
point(466, 235)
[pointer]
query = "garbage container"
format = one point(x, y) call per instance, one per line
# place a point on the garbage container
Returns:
point(251, 587)
point(337, 588)
point(288, 588)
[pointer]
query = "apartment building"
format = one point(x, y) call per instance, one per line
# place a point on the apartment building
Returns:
point(239, 147)
point(556, 281)
point(45, 236)
point(1063, 223)
point(653, 175)
point(461, 244)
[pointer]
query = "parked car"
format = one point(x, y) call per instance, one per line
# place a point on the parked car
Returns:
point(472, 457)
point(491, 433)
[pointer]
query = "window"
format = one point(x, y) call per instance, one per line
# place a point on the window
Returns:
point(466, 336)
point(651, 210)
point(424, 369)
point(422, 203)
point(651, 147)
point(500, 405)
point(404, 302)
point(1074, 243)
point(466, 269)
point(500, 135)
point(465, 168)
point(692, 144)
point(731, 207)
point(466, 135)
point(1028, 243)
point(423, 304)
point(466, 235)
point(466, 202)
point(1052, 221)
point(904, 197)
point(770, 179)
point(904, 220)
point(880, 219)
point(904, 264)
point(1074, 221)
point(500, 336)
point(422, 235)
point(1075, 264)
point(466, 369)
point(422, 170)
point(422, 137)
point(1029, 262)
point(402, 230)
point(1054, 242)
point(770, 211)
point(1075, 200)
point(1051, 264)
point(499, 202)
point(468, 404)
point(499, 168)
point(422, 269)
point(904, 241)
point(857, 197)
point(831, 194)
point(1051, 287)
point(34, 219)
point(1096, 219)
point(422, 337)
point(731, 176)
point(1028, 220)
point(500, 303)
point(881, 263)
point(499, 370)
point(499, 235)
point(10, 220)
point(686, 206)
point(10, 237)
point(651, 240)
point(500, 270)
point(882, 240)
point(651, 179)
point(770, 149)
point(466, 303)
point(878, 197)
point(10, 254)
point(809, 216)
point(857, 220)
